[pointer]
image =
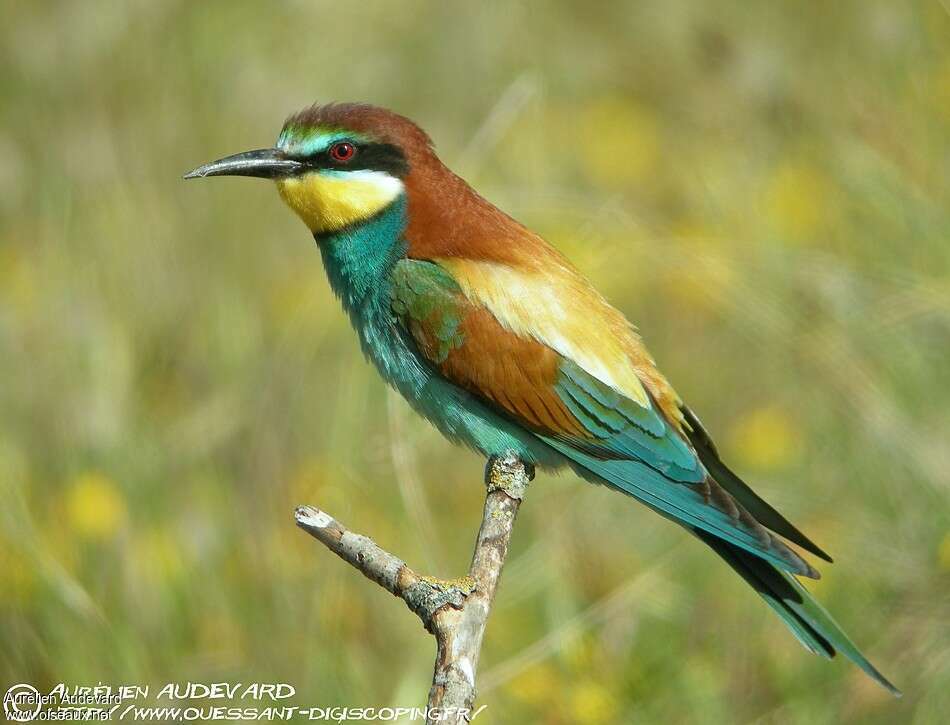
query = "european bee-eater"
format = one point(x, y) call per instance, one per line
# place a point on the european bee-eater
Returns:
point(493, 336)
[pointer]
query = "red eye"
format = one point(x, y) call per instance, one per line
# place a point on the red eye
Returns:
point(342, 152)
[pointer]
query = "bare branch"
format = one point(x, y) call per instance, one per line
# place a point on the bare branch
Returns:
point(456, 611)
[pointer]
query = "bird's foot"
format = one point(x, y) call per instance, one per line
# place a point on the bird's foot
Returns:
point(508, 473)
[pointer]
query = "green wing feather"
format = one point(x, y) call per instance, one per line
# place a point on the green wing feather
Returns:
point(621, 428)
point(424, 295)
point(637, 451)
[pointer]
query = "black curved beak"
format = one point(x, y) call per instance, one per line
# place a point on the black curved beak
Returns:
point(262, 163)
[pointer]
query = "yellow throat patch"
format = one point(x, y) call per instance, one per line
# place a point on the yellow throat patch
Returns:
point(330, 201)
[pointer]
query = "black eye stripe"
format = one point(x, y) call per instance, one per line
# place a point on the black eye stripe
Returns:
point(368, 157)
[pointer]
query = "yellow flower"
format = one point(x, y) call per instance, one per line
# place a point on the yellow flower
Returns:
point(158, 555)
point(17, 280)
point(17, 579)
point(692, 231)
point(536, 686)
point(941, 90)
point(619, 140)
point(590, 703)
point(95, 506)
point(943, 552)
point(799, 200)
point(579, 653)
point(766, 438)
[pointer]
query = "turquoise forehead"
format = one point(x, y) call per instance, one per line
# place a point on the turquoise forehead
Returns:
point(307, 140)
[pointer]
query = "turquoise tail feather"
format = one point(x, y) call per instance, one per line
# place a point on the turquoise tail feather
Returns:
point(684, 505)
point(802, 613)
point(765, 569)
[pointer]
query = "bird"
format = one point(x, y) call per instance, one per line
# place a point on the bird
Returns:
point(492, 335)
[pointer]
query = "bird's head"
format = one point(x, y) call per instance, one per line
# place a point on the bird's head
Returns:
point(335, 165)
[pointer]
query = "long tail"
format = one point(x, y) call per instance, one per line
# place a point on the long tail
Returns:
point(802, 614)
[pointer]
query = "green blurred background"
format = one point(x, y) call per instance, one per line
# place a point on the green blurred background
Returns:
point(762, 187)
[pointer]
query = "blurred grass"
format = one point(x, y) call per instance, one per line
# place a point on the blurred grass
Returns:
point(762, 187)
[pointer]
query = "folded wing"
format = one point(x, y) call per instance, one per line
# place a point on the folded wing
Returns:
point(607, 436)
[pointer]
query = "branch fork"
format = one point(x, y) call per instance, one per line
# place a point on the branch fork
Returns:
point(454, 611)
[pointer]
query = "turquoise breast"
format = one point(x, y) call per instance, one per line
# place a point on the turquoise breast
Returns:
point(359, 261)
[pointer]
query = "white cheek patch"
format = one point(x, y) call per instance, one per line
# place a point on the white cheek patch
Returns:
point(383, 182)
